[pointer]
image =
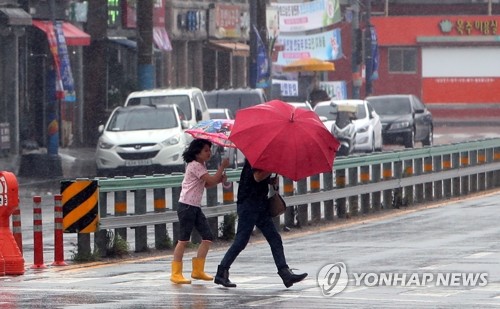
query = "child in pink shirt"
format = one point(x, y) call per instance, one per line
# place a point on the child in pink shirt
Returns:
point(196, 179)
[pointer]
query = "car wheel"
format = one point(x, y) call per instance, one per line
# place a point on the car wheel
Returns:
point(410, 140)
point(429, 140)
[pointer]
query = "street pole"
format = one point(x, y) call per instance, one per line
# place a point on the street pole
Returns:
point(356, 50)
point(257, 10)
point(145, 68)
point(368, 50)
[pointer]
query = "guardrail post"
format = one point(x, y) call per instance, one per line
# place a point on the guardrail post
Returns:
point(160, 206)
point(419, 188)
point(455, 162)
point(141, 232)
point(341, 202)
point(428, 168)
point(474, 177)
point(447, 182)
point(398, 192)
point(121, 208)
point(438, 184)
point(353, 200)
point(328, 204)
point(481, 178)
point(176, 194)
point(464, 181)
point(290, 211)
point(100, 236)
point(496, 174)
point(408, 190)
point(387, 175)
point(228, 198)
point(490, 158)
point(365, 198)
point(376, 196)
point(303, 209)
point(212, 200)
point(315, 207)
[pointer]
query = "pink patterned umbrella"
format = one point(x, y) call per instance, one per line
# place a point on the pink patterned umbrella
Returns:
point(215, 130)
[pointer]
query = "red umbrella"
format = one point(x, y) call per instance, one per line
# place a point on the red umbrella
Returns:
point(277, 137)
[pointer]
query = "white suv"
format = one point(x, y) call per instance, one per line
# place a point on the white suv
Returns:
point(190, 100)
point(141, 140)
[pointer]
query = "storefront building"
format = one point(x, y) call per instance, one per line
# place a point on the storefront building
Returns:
point(443, 59)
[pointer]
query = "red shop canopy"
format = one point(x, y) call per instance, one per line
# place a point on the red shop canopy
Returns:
point(72, 34)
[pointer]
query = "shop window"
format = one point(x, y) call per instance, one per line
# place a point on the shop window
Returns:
point(402, 60)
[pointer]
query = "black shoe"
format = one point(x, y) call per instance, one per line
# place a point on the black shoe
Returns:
point(222, 277)
point(289, 278)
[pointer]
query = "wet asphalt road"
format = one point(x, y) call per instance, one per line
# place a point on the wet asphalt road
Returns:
point(459, 236)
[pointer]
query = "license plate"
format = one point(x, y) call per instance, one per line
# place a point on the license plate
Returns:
point(138, 162)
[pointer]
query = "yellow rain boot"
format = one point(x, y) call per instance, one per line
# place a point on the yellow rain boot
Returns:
point(199, 270)
point(177, 276)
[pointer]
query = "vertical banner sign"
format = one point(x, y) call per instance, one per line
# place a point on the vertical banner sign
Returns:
point(375, 54)
point(54, 76)
point(64, 65)
point(51, 37)
point(263, 64)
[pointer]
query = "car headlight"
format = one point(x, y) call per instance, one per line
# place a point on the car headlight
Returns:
point(105, 145)
point(174, 140)
point(400, 125)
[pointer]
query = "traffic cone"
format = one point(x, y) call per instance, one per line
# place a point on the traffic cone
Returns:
point(13, 261)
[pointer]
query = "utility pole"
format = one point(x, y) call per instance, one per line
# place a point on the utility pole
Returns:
point(368, 49)
point(258, 19)
point(95, 71)
point(356, 50)
point(145, 68)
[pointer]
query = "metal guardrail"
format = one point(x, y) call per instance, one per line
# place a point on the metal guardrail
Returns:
point(411, 175)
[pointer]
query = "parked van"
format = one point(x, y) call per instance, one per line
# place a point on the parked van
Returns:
point(190, 100)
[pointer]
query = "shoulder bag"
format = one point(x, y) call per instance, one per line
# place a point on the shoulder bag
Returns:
point(277, 205)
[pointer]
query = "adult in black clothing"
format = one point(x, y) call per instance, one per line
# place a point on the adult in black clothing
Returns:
point(252, 208)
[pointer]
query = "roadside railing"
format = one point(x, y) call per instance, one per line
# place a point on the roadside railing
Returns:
point(358, 185)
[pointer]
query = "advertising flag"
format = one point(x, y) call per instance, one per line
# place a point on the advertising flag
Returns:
point(263, 65)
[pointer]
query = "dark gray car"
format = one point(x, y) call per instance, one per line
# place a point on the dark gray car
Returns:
point(405, 119)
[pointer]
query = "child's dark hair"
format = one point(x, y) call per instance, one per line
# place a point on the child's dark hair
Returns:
point(195, 147)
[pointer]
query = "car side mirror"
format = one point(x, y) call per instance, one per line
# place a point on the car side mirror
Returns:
point(100, 128)
point(199, 116)
point(185, 124)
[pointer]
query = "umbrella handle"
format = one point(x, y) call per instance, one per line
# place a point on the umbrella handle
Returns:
point(276, 187)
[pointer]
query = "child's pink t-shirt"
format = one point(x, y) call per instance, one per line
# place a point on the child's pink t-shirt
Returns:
point(192, 184)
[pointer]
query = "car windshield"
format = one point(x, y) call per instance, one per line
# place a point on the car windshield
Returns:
point(232, 101)
point(143, 119)
point(391, 106)
point(326, 111)
point(181, 100)
point(361, 112)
